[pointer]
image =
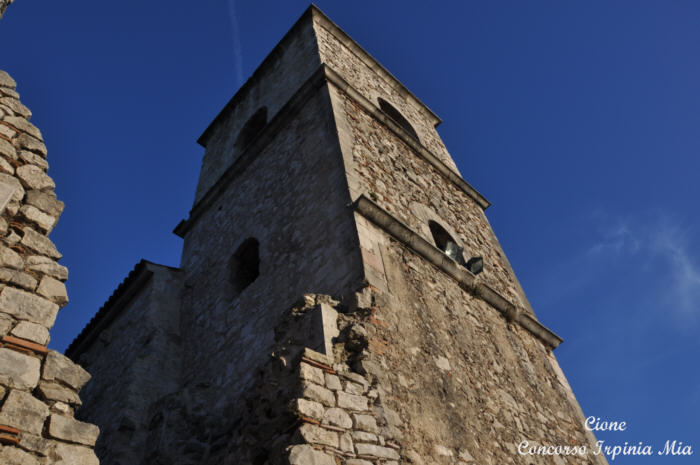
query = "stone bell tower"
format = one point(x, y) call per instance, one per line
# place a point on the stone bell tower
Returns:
point(341, 296)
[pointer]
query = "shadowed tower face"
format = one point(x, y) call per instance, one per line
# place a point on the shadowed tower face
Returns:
point(324, 177)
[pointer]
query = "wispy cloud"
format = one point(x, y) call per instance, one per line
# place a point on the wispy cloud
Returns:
point(662, 244)
point(236, 45)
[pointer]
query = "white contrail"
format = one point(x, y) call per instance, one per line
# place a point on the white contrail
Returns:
point(237, 52)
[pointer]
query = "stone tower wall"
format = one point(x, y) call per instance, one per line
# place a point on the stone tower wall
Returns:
point(38, 387)
point(403, 182)
point(288, 191)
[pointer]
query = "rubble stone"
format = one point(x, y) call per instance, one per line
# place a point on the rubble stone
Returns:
point(306, 455)
point(19, 371)
point(23, 411)
point(40, 243)
point(31, 332)
point(58, 367)
point(54, 290)
point(68, 429)
point(34, 177)
point(26, 306)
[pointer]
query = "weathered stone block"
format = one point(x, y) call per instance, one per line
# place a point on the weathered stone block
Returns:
point(366, 423)
point(58, 367)
point(358, 462)
point(45, 202)
point(318, 393)
point(34, 159)
point(376, 451)
point(306, 455)
point(333, 382)
point(31, 332)
point(46, 265)
point(34, 177)
point(23, 125)
point(13, 182)
point(25, 306)
point(28, 142)
point(23, 411)
point(40, 243)
point(345, 443)
point(19, 371)
point(354, 388)
point(363, 436)
point(69, 429)
point(54, 290)
point(69, 454)
point(352, 402)
point(58, 392)
point(6, 80)
point(7, 150)
point(317, 435)
point(10, 259)
point(14, 456)
point(45, 221)
point(5, 167)
point(34, 443)
point(16, 106)
point(6, 323)
point(17, 278)
point(309, 408)
point(337, 417)
point(311, 373)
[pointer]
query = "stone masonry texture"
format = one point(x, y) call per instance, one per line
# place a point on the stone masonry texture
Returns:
point(314, 318)
point(38, 387)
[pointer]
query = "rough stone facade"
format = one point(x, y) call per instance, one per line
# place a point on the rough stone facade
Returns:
point(324, 176)
point(38, 387)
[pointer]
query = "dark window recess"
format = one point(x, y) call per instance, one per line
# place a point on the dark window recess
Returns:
point(398, 118)
point(446, 243)
point(244, 266)
point(251, 129)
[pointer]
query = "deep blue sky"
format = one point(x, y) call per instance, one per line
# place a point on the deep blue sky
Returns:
point(579, 121)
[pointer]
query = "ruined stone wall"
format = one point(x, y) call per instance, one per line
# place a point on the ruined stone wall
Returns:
point(135, 360)
point(272, 85)
point(303, 407)
point(366, 75)
point(38, 387)
point(292, 196)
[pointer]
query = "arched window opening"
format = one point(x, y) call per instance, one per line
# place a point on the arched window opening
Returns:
point(446, 243)
point(244, 267)
point(251, 129)
point(398, 118)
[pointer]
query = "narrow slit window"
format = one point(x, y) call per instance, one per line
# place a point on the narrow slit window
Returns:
point(244, 266)
point(398, 118)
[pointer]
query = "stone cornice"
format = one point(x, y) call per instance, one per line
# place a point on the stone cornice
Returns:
point(464, 278)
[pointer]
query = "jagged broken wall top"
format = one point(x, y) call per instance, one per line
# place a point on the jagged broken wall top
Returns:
point(38, 387)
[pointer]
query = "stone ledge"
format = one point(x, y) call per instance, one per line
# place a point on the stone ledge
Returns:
point(464, 278)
